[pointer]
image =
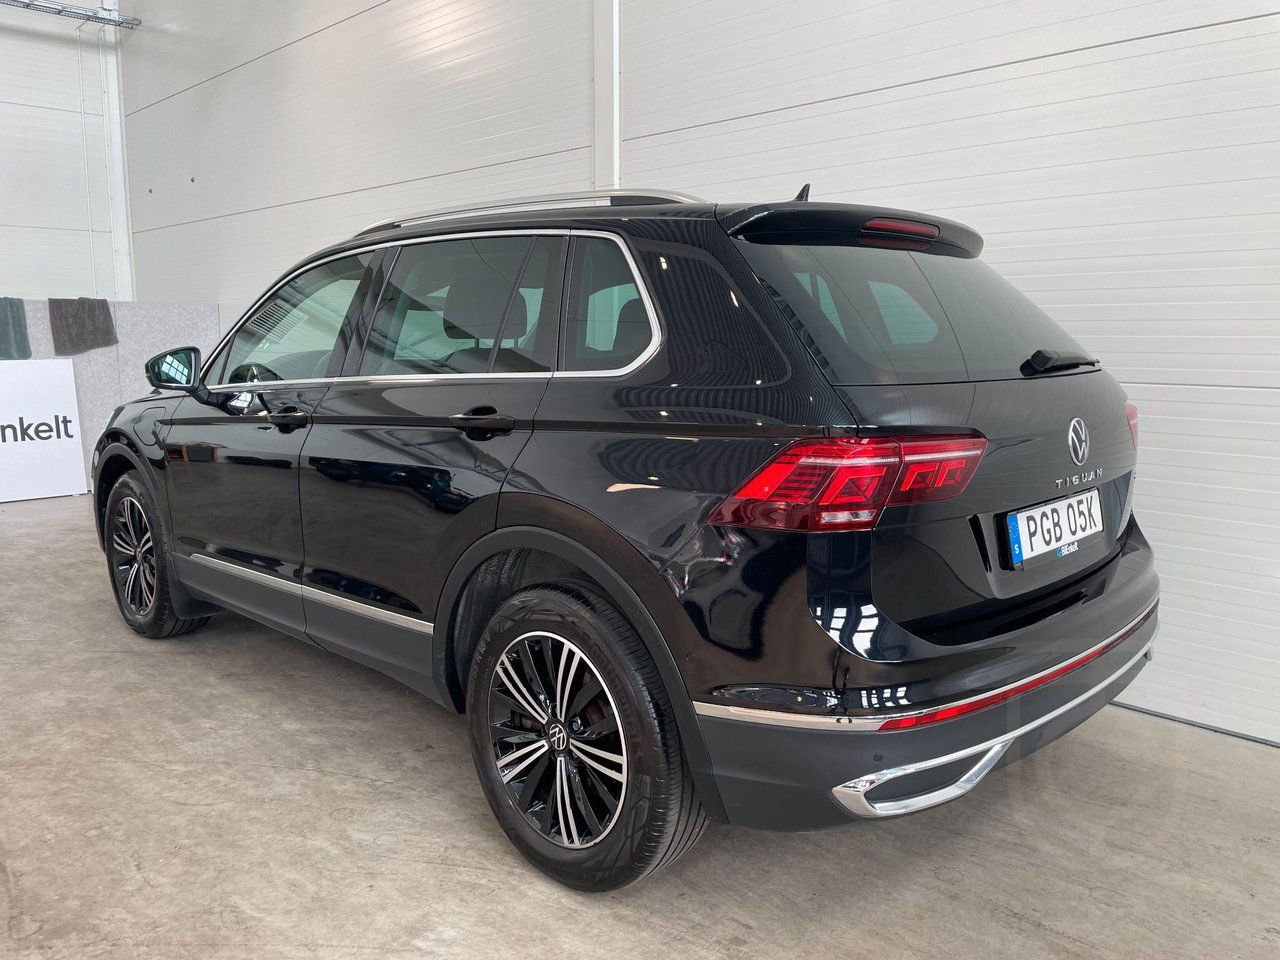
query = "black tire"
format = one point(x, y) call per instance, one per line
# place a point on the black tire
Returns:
point(657, 817)
point(140, 576)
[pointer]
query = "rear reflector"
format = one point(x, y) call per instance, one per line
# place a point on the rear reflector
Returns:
point(845, 483)
point(1131, 414)
point(1008, 693)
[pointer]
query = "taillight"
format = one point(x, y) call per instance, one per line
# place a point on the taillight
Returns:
point(845, 483)
point(1131, 413)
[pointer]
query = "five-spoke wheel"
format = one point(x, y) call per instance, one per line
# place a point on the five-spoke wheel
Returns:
point(556, 740)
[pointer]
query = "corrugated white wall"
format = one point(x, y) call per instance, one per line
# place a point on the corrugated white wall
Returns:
point(259, 132)
point(1122, 161)
point(1120, 158)
point(62, 226)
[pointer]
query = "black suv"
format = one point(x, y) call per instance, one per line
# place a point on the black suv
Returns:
point(784, 514)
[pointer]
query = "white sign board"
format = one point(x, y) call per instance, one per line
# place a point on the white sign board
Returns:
point(40, 452)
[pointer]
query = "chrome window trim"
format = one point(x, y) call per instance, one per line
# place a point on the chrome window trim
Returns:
point(782, 718)
point(361, 607)
point(655, 341)
point(853, 794)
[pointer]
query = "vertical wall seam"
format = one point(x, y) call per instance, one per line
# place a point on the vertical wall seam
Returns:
point(606, 94)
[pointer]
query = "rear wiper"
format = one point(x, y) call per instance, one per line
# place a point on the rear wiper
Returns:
point(1046, 361)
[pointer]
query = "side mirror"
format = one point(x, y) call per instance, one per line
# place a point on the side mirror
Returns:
point(177, 370)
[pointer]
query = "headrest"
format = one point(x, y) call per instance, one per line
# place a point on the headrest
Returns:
point(473, 309)
point(633, 333)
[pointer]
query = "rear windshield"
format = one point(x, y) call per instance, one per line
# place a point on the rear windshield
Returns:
point(893, 316)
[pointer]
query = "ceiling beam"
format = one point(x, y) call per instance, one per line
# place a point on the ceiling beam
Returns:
point(105, 14)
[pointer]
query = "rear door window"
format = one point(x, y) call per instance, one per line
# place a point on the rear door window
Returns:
point(893, 316)
point(460, 306)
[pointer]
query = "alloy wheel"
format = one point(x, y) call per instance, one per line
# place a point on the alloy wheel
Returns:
point(556, 739)
point(134, 559)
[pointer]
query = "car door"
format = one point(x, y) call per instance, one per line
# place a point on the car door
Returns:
point(232, 462)
point(410, 447)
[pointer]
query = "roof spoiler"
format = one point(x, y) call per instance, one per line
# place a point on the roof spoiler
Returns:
point(847, 224)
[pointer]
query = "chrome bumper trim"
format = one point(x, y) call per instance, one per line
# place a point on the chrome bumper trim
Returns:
point(853, 795)
point(813, 721)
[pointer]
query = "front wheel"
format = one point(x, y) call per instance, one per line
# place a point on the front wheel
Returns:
point(575, 743)
point(137, 560)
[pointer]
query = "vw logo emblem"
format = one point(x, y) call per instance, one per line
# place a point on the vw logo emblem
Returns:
point(1078, 441)
point(558, 736)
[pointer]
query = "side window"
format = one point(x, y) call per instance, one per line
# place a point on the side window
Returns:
point(444, 304)
point(528, 340)
point(607, 324)
point(292, 335)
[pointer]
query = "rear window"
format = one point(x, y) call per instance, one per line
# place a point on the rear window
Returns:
point(891, 316)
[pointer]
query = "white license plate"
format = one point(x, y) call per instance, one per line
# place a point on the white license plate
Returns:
point(1056, 526)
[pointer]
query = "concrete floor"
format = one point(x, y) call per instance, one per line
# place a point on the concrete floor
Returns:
point(238, 794)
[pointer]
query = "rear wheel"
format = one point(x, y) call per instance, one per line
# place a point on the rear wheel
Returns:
point(575, 743)
point(137, 561)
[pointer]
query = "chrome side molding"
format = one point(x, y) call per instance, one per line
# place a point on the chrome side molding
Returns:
point(359, 607)
point(853, 794)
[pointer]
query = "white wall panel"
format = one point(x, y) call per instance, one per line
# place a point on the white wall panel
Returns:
point(56, 203)
point(246, 157)
point(1123, 163)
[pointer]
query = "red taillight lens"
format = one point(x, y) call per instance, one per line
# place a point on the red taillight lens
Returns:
point(1131, 413)
point(844, 484)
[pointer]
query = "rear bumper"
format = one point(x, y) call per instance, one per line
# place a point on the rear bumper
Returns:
point(786, 771)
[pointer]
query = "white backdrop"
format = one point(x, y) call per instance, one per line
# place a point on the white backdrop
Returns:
point(1120, 158)
point(40, 453)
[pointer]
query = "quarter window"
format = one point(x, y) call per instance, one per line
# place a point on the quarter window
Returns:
point(292, 335)
point(608, 324)
point(456, 306)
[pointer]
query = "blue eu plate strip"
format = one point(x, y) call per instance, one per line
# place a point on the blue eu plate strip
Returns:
point(1015, 541)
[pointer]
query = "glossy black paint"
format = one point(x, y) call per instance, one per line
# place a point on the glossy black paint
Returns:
point(381, 500)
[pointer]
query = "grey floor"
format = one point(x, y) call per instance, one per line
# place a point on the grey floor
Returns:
point(238, 794)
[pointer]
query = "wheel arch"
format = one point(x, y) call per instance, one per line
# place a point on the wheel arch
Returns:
point(116, 454)
point(581, 543)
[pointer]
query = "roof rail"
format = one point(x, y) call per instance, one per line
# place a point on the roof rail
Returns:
point(595, 198)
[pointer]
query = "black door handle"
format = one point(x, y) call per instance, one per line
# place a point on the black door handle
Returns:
point(288, 418)
point(481, 423)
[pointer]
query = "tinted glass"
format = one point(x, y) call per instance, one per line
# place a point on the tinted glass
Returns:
point(528, 340)
point(443, 306)
point(607, 324)
point(892, 316)
point(292, 335)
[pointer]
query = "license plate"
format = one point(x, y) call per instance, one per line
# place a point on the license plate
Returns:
point(1054, 527)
